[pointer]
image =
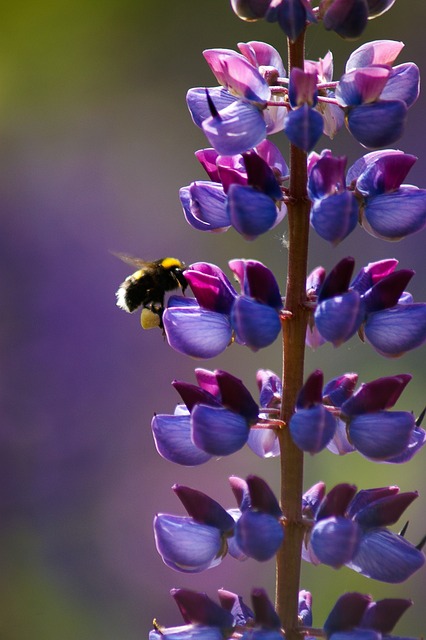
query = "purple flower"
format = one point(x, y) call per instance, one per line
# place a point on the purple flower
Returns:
point(203, 327)
point(389, 209)
point(303, 125)
point(258, 531)
point(351, 529)
point(374, 304)
point(376, 96)
point(204, 619)
point(358, 617)
point(196, 542)
point(312, 426)
point(334, 212)
point(218, 417)
point(244, 193)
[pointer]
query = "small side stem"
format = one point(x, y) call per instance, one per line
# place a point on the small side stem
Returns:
point(294, 330)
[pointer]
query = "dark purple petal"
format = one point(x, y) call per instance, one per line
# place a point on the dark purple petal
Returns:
point(251, 212)
point(384, 614)
point(383, 434)
point(204, 509)
point(378, 124)
point(385, 511)
point(235, 396)
point(196, 332)
point(335, 216)
point(257, 281)
point(348, 18)
point(218, 431)
point(304, 127)
point(394, 331)
point(312, 429)
point(393, 216)
point(262, 498)
point(387, 292)
point(291, 15)
point(185, 545)
point(336, 501)
point(311, 391)
point(204, 206)
point(198, 608)
point(261, 176)
point(376, 395)
point(259, 535)
point(172, 436)
point(192, 395)
point(346, 613)
point(339, 318)
point(335, 540)
point(337, 281)
point(198, 105)
point(265, 615)
point(386, 556)
point(237, 128)
point(365, 497)
point(256, 325)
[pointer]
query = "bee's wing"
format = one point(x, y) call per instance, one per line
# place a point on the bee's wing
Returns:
point(135, 262)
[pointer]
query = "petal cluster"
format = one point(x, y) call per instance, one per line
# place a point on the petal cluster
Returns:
point(244, 192)
point(372, 192)
point(351, 528)
point(204, 326)
point(374, 304)
point(200, 540)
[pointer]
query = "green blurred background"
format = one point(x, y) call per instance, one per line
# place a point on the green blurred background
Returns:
point(95, 143)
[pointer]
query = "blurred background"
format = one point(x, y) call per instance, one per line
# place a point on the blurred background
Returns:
point(95, 141)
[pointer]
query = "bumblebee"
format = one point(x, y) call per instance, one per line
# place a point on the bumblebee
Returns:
point(147, 286)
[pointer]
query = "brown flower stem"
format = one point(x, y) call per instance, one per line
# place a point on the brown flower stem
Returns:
point(294, 330)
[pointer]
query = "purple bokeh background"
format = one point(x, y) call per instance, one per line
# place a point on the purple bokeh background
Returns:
point(95, 143)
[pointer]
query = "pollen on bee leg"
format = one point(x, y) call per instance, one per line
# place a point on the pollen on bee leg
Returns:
point(149, 319)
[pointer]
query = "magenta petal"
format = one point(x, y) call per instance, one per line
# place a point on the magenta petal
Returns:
point(196, 332)
point(377, 52)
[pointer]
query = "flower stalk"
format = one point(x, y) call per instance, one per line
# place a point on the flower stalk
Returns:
point(294, 331)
